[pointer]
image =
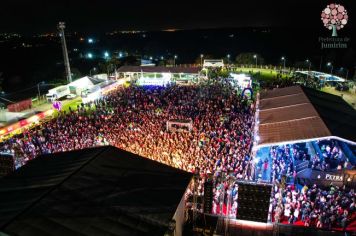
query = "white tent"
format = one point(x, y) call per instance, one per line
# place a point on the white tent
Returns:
point(81, 84)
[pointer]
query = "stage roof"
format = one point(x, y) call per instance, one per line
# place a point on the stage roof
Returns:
point(298, 113)
point(98, 191)
point(159, 69)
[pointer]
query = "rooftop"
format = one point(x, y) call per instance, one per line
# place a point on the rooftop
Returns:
point(98, 191)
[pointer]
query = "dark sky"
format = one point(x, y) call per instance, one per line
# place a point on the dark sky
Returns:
point(101, 15)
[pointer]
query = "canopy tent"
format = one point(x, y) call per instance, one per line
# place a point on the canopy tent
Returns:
point(323, 77)
point(84, 83)
point(98, 191)
point(298, 114)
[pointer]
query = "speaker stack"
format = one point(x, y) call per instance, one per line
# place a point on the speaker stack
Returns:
point(253, 202)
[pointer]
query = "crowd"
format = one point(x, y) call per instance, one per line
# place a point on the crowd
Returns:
point(134, 119)
point(331, 207)
point(218, 145)
point(328, 208)
point(330, 157)
point(283, 161)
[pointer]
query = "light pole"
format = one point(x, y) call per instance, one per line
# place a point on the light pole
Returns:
point(61, 26)
point(284, 63)
point(255, 56)
point(91, 70)
point(309, 63)
point(201, 59)
point(110, 68)
point(347, 72)
point(332, 67)
point(228, 58)
point(38, 89)
point(174, 60)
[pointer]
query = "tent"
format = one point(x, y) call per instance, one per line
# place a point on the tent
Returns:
point(299, 114)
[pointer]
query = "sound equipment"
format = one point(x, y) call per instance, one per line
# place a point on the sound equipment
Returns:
point(253, 201)
point(208, 196)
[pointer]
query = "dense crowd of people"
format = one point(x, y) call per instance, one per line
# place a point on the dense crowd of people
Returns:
point(330, 157)
point(329, 207)
point(134, 119)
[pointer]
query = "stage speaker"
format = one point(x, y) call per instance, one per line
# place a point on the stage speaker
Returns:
point(208, 197)
point(253, 201)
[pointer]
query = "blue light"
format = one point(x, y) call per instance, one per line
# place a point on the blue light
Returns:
point(106, 54)
point(90, 55)
point(90, 40)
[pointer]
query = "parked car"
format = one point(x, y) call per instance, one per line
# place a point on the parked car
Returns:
point(342, 87)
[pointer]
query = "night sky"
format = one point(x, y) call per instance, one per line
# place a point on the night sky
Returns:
point(28, 16)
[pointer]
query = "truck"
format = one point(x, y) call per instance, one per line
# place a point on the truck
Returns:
point(57, 93)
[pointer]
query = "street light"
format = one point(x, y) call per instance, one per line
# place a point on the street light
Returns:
point(90, 40)
point(347, 72)
point(38, 88)
point(309, 63)
point(174, 60)
point(332, 67)
point(106, 54)
point(162, 57)
point(284, 63)
point(90, 55)
point(228, 58)
point(94, 69)
point(255, 56)
point(201, 59)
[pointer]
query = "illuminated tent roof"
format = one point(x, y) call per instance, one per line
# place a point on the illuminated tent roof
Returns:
point(98, 191)
point(298, 113)
point(159, 69)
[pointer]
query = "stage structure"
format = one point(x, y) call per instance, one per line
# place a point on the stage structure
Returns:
point(152, 74)
point(163, 79)
point(242, 81)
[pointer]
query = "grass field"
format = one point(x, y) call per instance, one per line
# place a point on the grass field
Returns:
point(70, 103)
point(265, 74)
point(348, 96)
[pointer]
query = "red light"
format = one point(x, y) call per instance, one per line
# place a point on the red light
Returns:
point(23, 123)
